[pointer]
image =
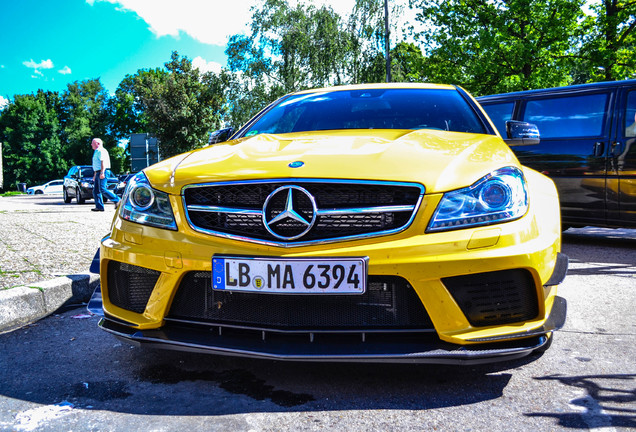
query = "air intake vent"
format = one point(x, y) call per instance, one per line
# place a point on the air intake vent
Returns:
point(389, 303)
point(129, 286)
point(495, 298)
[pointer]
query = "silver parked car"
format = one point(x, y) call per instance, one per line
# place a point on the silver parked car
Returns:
point(52, 187)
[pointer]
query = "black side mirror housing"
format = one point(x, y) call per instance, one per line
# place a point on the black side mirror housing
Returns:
point(521, 133)
point(220, 135)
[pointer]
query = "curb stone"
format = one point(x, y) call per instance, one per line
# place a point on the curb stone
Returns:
point(26, 304)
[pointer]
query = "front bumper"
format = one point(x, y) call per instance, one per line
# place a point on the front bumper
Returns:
point(427, 263)
point(360, 347)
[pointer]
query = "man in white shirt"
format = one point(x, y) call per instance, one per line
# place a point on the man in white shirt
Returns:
point(101, 162)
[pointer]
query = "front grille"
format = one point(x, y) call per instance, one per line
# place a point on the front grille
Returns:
point(343, 209)
point(495, 298)
point(130, 286)
point(389, 303)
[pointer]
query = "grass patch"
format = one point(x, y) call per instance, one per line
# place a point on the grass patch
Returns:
point(12, 193)
point(37, 288)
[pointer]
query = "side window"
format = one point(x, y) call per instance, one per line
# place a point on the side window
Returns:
point(568, 116)
point(630, 115)
point(500, 113)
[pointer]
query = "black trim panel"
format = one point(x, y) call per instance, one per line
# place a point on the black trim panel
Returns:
point(419, 348)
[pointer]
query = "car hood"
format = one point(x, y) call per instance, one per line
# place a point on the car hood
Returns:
point(439, 160)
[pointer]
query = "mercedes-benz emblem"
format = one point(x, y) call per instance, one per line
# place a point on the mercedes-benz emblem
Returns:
point(289, 212)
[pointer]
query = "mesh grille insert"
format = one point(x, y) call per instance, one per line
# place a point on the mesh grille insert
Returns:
point(239, 208)
point(389, 303)
point(495, 298)
point(130, 286)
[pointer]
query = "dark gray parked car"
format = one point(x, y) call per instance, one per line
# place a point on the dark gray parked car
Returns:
point(78, 183)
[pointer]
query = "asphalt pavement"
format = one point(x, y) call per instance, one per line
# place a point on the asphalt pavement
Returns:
point(64, 373)
point(46, 248)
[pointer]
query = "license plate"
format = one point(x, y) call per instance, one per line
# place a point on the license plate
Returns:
point(290, 276)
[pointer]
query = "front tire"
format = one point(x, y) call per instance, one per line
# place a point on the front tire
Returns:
point(78, 197)
point(67, 199)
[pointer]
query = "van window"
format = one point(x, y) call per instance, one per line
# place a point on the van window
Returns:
point(500, 113)
point(573, 116)
point(630, 115)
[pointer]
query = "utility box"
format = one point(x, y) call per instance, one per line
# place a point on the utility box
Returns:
point(144, 151)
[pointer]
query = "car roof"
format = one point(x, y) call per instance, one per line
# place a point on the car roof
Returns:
point(424, 86)
point(565, 89)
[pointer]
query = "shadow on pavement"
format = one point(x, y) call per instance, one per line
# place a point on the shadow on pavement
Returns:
point(66, 358)
point(602, 403)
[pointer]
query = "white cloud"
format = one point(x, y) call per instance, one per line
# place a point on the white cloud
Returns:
point(44, 64)
point(206, 66)
point(213, 22)
point(210, 22)
point(65, 70)
point(3, 102)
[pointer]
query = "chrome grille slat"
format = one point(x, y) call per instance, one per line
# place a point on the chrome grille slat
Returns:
point(344, 210)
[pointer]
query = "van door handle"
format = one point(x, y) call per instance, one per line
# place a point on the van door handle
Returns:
point(599, 148)
point(616, 149)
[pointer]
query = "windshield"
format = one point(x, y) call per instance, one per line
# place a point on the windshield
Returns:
point(439, 109)
point(86, 172)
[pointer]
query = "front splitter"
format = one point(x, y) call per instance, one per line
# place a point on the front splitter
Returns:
point(428, 350)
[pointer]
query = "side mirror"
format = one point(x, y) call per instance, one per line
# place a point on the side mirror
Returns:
point(220, 135)
point(521, 133)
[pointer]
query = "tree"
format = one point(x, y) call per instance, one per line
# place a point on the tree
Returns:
point(499, 45)
point(30, 135)
point(289, 49)
point(608, 42)
point(180, 105)
point(126, 109)
point(368, 35)
point(84, 115)
point(407, 63)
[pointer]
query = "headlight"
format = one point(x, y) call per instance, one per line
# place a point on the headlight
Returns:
point(145, 205)
point(500, 196)
point(86, 185)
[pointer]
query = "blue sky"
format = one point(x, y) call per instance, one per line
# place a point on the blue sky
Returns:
point(46, 44)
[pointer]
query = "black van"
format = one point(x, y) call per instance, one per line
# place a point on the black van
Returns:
point(587, 146)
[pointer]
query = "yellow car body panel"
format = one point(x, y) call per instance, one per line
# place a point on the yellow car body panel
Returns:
point(449, 158)
point(440, 161)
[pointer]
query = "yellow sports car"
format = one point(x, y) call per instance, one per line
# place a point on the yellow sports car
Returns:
point(358, 223)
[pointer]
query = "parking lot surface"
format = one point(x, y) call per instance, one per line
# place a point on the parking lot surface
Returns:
point(63, 373)
point(42, 238)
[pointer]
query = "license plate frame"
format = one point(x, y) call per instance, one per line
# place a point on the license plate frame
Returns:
point(298, 276)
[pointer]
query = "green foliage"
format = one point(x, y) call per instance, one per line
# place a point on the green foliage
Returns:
point(293, 48)
point(498, 46)
point(30, 136)
point(367, 62)
point(608, 42)
point(407, 63)
point(485, 46)
point(180, 105)
point(127, 110)
point(84, 116)
point(289, 49)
